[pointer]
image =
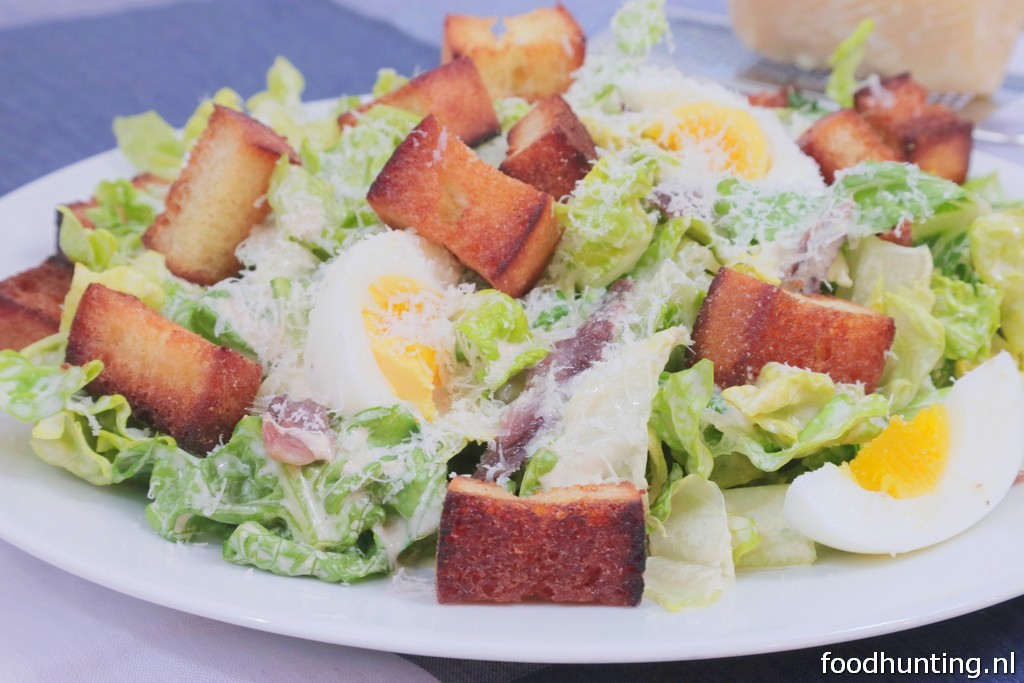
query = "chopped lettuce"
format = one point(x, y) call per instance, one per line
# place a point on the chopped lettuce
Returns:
point(142, 280)
point(970, 315)
point(305, 210)
point(493, 336)
point(607, 226)
point(388, 81)
point(34, 385)
point(997, 253)
point(676, 412)
point(510, 110)
point(778, 544)
point(196, 124)
point(95, 249)
point(150, 144)
point(690, 563)
point(639, 25)
point(842, 83)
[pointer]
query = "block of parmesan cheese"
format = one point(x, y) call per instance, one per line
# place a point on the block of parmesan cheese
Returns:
point(949, 45)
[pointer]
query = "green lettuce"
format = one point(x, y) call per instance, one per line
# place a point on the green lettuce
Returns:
point(690, 563)
point(676, 412)
point(970, 315)
point(607, 226)
point(305, 210)
point(193, 307)
point(143, 280)
point(150, 144)
point(639, 25)
point(326, 519)
point(196, 124)
point(510, 110)
point(842, 82)
point(388, 81)
point(779, 545)
point(997, 254)
point(493, 335)
point(351, 166)
point(96, 249)
point(34, 384)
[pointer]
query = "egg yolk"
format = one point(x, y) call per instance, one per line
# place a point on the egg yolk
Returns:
point(409, 367)
point(907, 458)
point(732, 131)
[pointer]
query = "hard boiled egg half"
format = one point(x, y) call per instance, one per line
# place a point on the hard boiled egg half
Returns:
point(715, 131)
point(373, 337)
point(923, 481)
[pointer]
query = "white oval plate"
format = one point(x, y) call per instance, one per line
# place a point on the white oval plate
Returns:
point(101, 535)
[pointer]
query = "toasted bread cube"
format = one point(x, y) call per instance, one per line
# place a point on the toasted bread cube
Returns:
point(939, 141)
point(890, 100)
point(500, 227)
point(576, 544)
point(453, 92)
point(843, 139)
point(31, 303)
point(902, 234)
point(770, 98)
point(549, 148)
point(218, 198)
point(745, 323)
point(174, 379)
point(535, 57)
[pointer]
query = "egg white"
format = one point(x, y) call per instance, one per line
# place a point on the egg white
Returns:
point(655, 91)
point(341, 369)
point(986, 448)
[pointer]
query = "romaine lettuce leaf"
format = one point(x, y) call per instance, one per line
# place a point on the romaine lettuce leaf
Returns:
point(779, 545)
point(690, 563)
point(142, 280)
point(493, 335)
point(842, 82)
point(676, 412)
point(970, 315)
point(997, 253)
point(34, 384)
point(607, 226)
point(639, 25)
point(196, 124)
point(150, 144)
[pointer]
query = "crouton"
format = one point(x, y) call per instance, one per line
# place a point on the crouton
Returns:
point(31, 302)
point(843, 139)
point(902, 234)
point(932, 136)
point(218, 198)
point(549, 148)
point(453, 92)
point(174, 379)
point(577, 544)
point(745, 323)
point(897, 98)
point(939, 141)
point(534, 57)
point(143, 181)
point(500, 227)
point(770, 98)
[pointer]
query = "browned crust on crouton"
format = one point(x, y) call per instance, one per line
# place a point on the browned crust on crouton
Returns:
point(902, 234)
point(453, 92)
point(31, 303)
point(842, 140)
point(770, 98)
point(218, 198)
point(583, 544)
point(893, 99)
point(174, 379)
point(745, 323)
point(939, 141)
point(549, 148)
point(500, 227)
point(535, 57)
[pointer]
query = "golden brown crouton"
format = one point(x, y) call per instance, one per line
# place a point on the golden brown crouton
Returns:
point(174, 379)
point(31, 302)
point(576, 544)
point(745, 323)
point(534, 57)
point(770, 98)
point(843, 139)
point(939, 141)
point(502, 228)
point(549, 148)
point(902, 234)
point(932, 136)
point(218, 198)
point(891, 99)
point(453, 92)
